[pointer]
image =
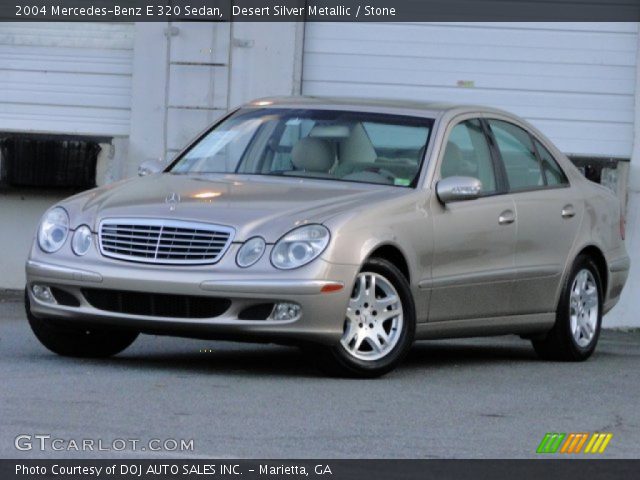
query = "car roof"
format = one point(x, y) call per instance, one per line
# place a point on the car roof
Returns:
point(431, 109)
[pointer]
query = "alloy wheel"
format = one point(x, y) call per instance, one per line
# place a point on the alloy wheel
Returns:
point(584, 307)
point(374, 318)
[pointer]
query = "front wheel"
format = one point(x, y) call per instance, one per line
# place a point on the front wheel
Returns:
point(578, 318)
point(71, 340)
point(379, 325)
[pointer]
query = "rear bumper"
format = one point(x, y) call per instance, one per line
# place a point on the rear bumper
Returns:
point(618, 273)
point(321, 318)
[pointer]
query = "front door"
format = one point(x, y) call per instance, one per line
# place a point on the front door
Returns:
point(474, 240)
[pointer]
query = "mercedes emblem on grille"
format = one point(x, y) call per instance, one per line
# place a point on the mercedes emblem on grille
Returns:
point(172, 200)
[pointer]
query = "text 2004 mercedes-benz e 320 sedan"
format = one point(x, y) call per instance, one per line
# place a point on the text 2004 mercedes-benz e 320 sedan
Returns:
point(351, 228)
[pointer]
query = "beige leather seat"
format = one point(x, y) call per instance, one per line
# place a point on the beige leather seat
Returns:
point(312, 156)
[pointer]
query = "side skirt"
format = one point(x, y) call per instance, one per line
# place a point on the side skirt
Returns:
point(486, 327)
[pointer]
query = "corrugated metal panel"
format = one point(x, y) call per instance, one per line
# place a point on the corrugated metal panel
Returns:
point(72, 78)
point(574, 81)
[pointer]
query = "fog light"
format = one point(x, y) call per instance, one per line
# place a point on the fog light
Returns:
point(285, 311)
point(43, 294)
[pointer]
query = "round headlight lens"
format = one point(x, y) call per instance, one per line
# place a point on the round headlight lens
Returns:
point(250, 252)
point(300, 246)
point(53, 230)
point(81, 241)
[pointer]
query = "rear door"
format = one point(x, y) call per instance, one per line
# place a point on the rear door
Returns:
point(474, 240)
point(547, 211)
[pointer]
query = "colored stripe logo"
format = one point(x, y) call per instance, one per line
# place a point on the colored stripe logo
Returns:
point(574, 442)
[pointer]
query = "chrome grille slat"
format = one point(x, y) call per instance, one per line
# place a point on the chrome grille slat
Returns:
point(141, 233)
point(192, 246)
point(141, 241)
point(145, 248)
point(164, 241)
point(131, 235)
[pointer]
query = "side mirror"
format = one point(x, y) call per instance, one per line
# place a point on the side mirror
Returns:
point(456, 189)
point(149, 167)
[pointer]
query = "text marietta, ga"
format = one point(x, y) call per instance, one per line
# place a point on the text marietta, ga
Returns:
point(166, 469)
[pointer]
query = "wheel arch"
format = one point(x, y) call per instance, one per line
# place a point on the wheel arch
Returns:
point(596, 254)
point(393, 254)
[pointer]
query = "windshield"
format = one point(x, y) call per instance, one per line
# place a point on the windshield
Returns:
point(319, 144)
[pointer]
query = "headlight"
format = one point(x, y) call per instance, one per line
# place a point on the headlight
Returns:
point(300, 246)
point(53, 230)
point(81, 240)
point(250, 252)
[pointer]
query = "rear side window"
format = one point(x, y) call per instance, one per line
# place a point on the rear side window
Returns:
point(552, 171)
point(518, 155)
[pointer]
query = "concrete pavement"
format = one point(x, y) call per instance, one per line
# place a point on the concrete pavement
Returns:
point(479, 398)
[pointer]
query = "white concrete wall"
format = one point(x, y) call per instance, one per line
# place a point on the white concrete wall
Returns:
point(626, 313)
point(19, 215)
point(266, 60)
point(197, 73)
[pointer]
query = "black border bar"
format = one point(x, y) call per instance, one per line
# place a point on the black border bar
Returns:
point(565, 469)
point(320, 10)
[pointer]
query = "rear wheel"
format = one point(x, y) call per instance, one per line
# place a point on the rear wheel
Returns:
point(71, 340)
point(379, 325)
point(578, 318)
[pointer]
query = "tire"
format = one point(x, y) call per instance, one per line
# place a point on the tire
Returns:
point(575, 334)
point(371, 319)
point(70, 340)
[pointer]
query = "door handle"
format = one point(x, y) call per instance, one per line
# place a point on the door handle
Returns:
point(568, 211)
point(507, 217)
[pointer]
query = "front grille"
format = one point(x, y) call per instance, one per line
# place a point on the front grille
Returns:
point(164, 241)
point(156, 304)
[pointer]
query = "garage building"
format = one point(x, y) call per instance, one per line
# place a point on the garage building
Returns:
point(120, 93)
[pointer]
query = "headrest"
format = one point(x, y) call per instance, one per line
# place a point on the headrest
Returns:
point(312, 155)
point(329, 131)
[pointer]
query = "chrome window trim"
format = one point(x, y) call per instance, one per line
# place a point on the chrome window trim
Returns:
point(162, 222)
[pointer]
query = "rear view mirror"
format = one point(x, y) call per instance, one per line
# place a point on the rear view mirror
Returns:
point(456, 189)
point(149, 167)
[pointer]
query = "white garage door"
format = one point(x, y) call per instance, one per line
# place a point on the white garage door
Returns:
point(72, 78)
point(574, 81)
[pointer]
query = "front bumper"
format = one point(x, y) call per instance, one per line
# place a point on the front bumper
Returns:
point(320, 320)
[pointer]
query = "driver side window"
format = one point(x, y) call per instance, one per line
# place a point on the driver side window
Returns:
point(467, 154)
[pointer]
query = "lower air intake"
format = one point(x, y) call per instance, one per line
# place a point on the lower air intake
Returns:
point(156, 304)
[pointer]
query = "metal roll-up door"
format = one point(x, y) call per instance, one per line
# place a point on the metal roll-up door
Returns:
point(69, 78)
point(574, 81)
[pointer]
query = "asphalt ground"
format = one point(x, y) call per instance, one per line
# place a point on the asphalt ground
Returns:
point(472, 398)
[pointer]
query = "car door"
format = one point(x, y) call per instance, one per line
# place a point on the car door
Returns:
point(548, 213)
point(474, 240)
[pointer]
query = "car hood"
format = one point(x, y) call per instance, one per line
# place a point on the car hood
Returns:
point(252, 205)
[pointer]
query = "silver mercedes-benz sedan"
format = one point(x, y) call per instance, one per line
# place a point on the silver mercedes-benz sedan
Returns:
point(350, 228)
